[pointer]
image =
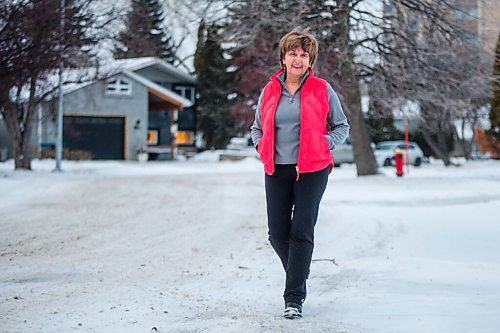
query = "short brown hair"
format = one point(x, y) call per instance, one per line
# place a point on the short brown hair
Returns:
point(296, 38)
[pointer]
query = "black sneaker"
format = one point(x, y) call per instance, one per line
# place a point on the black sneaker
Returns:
point(292, 310)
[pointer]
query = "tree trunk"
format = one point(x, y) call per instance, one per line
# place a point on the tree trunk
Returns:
point(466, 147)
point(21, 161)
point(17, 137)
point(435, 147)
point(443, 146)
point(19, 120)
point(363, 152)
point(22, 149)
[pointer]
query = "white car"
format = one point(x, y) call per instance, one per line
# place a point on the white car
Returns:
point(384, 152)
point(343, 154)
point(236, 143)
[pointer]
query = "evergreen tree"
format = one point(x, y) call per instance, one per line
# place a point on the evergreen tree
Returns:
point(146, 34)
point(495, 101)
point(213, 87)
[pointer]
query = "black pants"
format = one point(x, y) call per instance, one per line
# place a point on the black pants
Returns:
point(292, 211)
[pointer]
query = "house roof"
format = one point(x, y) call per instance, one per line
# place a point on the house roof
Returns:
point(135, 64)
point(162, 92)
point(78, 78)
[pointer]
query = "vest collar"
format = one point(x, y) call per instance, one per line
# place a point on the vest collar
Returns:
point(275, 79)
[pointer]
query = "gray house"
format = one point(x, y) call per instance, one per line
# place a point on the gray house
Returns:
point(144, 104)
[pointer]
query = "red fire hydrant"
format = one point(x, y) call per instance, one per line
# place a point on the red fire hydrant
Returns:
point(398, 160)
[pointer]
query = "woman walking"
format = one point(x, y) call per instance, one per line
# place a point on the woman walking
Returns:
point(298, 121)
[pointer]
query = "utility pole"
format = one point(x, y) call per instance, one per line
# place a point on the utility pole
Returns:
point(59, 142)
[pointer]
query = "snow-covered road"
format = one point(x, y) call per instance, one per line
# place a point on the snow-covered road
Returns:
point(124, 247)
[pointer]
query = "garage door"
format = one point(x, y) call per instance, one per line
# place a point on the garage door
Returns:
point(103, 137)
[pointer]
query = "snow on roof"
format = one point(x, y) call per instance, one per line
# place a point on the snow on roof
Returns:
point(135, 64)
point(75, 79)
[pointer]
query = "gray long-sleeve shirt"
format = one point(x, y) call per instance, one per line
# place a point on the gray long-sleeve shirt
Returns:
point(287, 123)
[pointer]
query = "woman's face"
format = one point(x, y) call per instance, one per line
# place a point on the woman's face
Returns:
point(296, 62)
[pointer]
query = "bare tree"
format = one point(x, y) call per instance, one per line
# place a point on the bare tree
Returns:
point(30, 48)
point(471, 96)
point(444, 75)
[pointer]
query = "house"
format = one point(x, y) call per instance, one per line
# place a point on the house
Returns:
point(143, 104)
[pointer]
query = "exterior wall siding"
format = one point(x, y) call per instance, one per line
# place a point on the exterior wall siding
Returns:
point(93, 100)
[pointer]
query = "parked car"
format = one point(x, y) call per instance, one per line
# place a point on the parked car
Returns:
point(343, 154)
point(384, 152)
point(237, 143)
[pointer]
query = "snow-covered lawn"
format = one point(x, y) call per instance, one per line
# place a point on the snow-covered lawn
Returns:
point(182, 246)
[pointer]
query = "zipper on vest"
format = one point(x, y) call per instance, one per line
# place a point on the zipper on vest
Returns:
point(298, 173)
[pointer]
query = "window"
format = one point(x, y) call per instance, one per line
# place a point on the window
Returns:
point(119, 87)
point(403, 147)
point(184, 137)
point(187, 92)
point(153, 137)
point(384, 147)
